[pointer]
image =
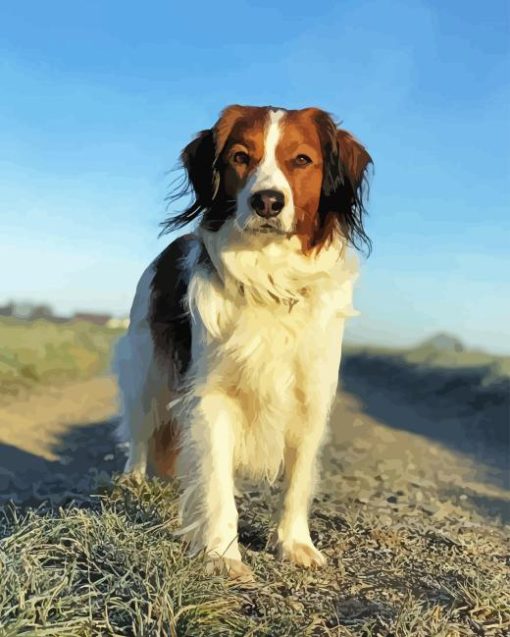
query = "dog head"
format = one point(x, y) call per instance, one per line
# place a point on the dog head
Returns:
point(277, 172)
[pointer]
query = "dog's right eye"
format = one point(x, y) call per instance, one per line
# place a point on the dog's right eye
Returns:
point(241, 158)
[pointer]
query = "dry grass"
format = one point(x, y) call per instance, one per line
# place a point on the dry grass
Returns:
point(110, 565)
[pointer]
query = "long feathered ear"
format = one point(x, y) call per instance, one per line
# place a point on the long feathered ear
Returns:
point(345, 183)
point(355, 161)
point(200, 181)
point(202, 178)
point(198, 159)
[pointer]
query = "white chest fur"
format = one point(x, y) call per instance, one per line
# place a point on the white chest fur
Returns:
point(267, 332)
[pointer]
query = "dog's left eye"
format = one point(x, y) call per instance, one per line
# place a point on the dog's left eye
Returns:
point(302, 160)
point(241, 158)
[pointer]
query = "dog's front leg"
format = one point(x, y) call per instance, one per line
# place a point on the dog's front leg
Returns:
point(209, 509)
point(293, 534)
point(319, 375)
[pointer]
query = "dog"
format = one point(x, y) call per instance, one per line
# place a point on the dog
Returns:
point(231, 360)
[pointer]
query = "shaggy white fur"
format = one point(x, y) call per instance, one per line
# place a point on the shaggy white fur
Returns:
point(266, 331)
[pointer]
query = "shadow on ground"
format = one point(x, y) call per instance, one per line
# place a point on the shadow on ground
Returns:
point(88, 452)
point(84, 453)
point(452, 409)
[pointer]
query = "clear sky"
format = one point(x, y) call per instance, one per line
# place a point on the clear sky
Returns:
point(97, 99)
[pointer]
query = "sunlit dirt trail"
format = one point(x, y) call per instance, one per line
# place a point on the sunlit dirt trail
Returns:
point(52, 439)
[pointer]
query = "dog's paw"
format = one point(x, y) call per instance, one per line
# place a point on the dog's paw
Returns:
point(234, 569)
point(138, 477)
point(132, 477)
point(305, 555)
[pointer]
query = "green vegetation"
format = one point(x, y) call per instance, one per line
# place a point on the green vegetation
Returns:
point(40, 352)
point(113, 567)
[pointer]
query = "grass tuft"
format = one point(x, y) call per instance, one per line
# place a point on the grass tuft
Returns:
point(112, 566)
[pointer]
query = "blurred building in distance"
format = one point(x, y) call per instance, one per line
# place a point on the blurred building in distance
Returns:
point(27, 311)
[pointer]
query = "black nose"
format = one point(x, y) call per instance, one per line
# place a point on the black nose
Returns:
point(267, 203)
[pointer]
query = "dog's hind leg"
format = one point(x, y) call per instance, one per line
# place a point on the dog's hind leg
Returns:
point(165, 444)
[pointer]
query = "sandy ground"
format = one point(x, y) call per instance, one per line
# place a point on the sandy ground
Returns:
point(381, 452)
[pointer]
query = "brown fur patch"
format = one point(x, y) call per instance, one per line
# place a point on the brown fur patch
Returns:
point(164, 448)
point(240, 129)
point(299, 136)
point(354, 155)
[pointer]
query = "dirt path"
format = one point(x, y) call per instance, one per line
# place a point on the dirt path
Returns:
point(387, 465)
point(54, 441)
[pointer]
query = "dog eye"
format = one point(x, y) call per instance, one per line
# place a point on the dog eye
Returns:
point(241, 158)
point(302, 160)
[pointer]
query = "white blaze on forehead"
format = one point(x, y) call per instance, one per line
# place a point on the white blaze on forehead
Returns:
point(268, 176)
point(273, 133)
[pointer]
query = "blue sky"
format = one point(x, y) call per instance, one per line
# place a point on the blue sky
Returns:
point(97, 99)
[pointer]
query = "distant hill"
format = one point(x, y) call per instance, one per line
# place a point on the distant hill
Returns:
point(444, 342)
